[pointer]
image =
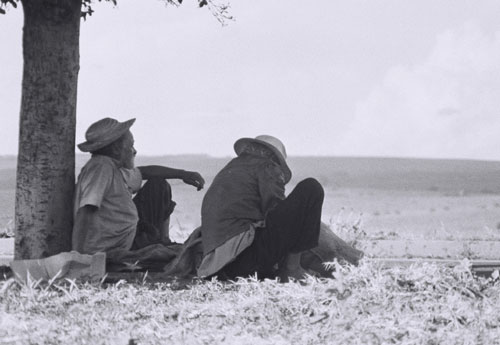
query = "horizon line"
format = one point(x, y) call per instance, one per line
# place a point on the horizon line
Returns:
point(492, 160)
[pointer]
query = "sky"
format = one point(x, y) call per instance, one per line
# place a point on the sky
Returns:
point(391, 78)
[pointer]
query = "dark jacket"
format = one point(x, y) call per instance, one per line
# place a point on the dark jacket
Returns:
point(241, 194)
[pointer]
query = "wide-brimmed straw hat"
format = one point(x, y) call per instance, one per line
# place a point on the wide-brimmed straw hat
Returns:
point(272, 143)
point(103, 133)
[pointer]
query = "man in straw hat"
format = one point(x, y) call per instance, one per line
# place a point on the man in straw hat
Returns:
point(248, 225)
point(106, 218)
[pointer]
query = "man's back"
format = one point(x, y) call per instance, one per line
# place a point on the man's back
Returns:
point(102, 186)
point(240, 195)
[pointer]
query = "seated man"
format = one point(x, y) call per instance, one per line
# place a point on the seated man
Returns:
point(248, 225)
point(106, 218)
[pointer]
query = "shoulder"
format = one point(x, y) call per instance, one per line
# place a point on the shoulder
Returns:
point(94, 181)
point(101, 167)
point(101, 161)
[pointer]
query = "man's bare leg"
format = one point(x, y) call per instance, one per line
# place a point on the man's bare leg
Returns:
point(292, 268)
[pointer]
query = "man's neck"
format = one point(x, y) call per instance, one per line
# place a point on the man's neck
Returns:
point(115, 160)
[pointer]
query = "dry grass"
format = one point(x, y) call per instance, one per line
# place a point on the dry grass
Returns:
point(424, 304)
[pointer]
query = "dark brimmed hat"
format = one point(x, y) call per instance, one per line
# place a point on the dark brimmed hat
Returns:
point(272, 143)
point(103, 133)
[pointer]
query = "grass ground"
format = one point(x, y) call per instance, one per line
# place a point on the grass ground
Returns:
point(365, 305)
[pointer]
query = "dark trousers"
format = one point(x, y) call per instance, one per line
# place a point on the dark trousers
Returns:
point(154, 205)
point(291, 227)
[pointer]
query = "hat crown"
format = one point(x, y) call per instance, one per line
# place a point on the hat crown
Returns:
point(98, 129)
point(273, 141)
point(273, 144)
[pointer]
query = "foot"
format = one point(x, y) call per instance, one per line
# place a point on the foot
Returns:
point(296, 273)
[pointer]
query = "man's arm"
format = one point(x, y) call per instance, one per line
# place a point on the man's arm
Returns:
point(85, 222)
point(190, 177)
point(271, 186)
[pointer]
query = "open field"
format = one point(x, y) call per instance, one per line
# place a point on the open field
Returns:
point(395, 198)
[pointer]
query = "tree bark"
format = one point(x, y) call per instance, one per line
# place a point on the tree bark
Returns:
point(46, 158)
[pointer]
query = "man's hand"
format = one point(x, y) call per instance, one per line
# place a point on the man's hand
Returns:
point(194, 179)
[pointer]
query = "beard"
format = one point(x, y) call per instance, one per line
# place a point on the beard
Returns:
point(128, 161)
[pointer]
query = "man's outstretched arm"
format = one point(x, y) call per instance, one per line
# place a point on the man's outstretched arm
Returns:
point(190, 177)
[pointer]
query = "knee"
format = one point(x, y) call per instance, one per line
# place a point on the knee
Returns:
point(157, 183)
point(312, 187)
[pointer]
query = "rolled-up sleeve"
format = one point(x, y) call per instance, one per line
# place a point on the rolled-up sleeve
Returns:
point(94, 185)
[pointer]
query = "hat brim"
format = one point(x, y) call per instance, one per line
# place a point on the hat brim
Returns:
point(121, 129)
point(241, 143)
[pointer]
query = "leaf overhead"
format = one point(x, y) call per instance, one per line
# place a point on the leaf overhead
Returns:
point(5, 3)
point(219, 11)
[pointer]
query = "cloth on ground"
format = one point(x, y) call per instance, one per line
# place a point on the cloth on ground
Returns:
point(189, 258)
point(153, 257)
point(330, 247)
point(71, 265)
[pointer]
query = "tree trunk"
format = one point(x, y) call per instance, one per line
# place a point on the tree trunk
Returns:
point(46, 159)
